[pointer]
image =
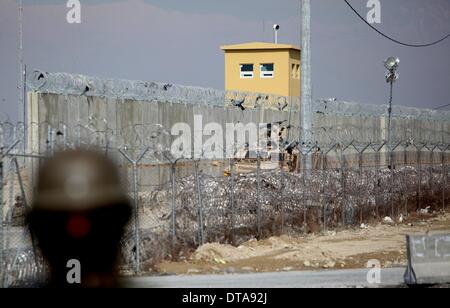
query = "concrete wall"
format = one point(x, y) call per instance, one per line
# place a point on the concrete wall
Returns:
point(116, 122)
point(115, 113)
point(85, 115)
point(113, 122)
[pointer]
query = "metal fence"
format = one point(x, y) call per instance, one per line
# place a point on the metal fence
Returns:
point(181, 204)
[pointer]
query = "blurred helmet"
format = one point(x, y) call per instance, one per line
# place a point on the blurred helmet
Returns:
point(79, 212)
point(78, 181)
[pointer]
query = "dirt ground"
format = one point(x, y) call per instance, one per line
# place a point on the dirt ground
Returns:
point(351, 248)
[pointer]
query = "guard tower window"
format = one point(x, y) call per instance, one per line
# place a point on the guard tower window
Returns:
point(295, 71)
point(247, 71)
point(267, 70)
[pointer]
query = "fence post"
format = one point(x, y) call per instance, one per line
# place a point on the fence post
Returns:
point(444, 176)
point(2, 246)
point(360, 174)
point(442, 181)
point(19, 178)
point(258, 194)
point(323, 160)
point(431, 171)
point(445, 183)
point(305, 203)
point(405, 163)
point(232, 239)
point(282, 185)
point(419, 166)
point(391, 166)
point(200, 206)
point(136, 218)
point(391, 188)
point(173, 206)
point(324, 168)
point(342, 165)
point(377, 176)
point(344, 181)
point(135, 162)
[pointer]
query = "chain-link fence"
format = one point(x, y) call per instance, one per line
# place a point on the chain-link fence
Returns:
point(182, 204)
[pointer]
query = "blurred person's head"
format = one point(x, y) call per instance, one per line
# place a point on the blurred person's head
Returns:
point(79, 213)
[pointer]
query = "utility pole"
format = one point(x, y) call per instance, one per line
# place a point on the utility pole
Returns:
point(21, 85)
point(2, 245)
point(306, 88)
point(391, 64)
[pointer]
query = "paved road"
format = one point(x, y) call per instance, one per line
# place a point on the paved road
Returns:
point(322, 279)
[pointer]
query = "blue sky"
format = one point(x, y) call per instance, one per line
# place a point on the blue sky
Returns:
point(178, 41)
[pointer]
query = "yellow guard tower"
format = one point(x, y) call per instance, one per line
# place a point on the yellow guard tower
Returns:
point(263, 68)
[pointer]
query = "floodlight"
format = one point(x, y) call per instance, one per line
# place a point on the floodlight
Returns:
point(391, 63)
point(276, 27)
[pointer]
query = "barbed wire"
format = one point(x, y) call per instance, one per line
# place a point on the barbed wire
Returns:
point(349, 176)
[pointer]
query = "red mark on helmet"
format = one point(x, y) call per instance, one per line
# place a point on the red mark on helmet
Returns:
point(78, 226)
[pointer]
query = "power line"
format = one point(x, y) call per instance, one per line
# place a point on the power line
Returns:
point(392, 39)
point(442, 107)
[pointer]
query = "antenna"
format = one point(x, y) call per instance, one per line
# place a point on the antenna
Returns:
point(263, 29)
point(276, 27)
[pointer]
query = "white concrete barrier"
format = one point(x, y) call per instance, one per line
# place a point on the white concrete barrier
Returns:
point(428, 259)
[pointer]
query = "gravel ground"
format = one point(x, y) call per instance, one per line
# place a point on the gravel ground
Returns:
point(349, 249)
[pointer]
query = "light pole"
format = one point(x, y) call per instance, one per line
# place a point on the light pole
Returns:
point(20, 59)
point(276, 27)
point(391, 64)
point(306, 122)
